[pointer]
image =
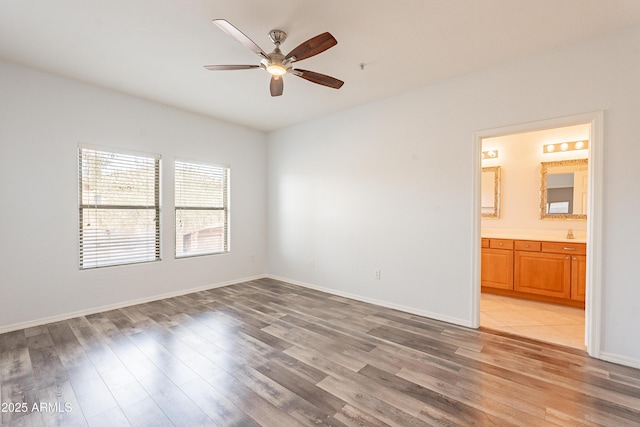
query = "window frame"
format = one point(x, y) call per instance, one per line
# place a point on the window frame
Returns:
point(226, 208)
point(157, 195)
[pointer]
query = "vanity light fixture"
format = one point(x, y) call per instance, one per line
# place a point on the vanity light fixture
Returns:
point(566, 146)
point(490, 154)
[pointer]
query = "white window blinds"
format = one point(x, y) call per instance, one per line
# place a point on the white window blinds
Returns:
point(119, 209)
point(202, 209)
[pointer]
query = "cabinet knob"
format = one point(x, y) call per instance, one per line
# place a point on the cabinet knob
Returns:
point(500, 243)
point(574, 258)
point(526, 246)
point(566, 257)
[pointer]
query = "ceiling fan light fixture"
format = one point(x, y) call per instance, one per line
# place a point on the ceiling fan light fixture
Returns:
point(276, 69)
point(276, 63)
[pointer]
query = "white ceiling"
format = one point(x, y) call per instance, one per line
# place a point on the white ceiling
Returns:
point(155, 49)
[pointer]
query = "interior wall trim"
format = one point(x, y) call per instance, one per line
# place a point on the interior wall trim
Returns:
point(381, 303)
point(67, 316)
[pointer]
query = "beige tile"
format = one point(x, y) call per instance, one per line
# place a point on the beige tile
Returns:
point(548, 317)
point(514, 318)
point(533, 319)
point(568, 310)
point(575, 331)
point(523, 304)
point(488, 306)
point(573, 320)
point(489, 322)
point(540, 332)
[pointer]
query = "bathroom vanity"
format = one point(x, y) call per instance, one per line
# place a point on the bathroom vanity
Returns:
point(552, 271)
point(531, 260)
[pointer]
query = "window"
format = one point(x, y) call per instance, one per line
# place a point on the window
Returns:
point(202, 209)
point(119, 208)
point(558, 208)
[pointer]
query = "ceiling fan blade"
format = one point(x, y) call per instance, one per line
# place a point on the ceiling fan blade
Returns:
point(318, 78)
point(276, 86)
point(313, 46)
point(230, 67)
point(232, 31)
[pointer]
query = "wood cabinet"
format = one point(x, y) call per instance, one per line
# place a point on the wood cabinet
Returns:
point(550, 271)
point(578, 277)
point(497, 263)
point(543, 273)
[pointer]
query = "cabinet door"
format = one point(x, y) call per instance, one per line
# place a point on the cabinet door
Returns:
point(543, 274)
point(497, 268)
point(578, 277)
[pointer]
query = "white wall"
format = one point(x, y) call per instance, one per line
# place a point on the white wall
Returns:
point(519, 157)
point(389, 185)
point(42, 120)
point(386, 186)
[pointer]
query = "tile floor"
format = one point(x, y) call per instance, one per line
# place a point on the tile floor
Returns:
point(547, 322)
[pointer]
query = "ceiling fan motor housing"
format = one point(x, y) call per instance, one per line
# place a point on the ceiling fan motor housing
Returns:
point(277, 36)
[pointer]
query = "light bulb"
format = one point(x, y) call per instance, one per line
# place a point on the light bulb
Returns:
point(276, 70)
point(579, 145)
point(564, 146)
point(550, 148)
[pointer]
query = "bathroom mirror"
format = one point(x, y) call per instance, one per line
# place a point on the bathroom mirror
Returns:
point(490, 192)
point(563, 189)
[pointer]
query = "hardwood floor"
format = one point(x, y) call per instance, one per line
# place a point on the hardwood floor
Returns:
point(274, 354)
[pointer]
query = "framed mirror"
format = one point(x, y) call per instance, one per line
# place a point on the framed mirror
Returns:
point(563, 189)
point(490, 192)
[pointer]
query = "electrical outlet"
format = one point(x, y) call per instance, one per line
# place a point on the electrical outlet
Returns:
point(376, 275)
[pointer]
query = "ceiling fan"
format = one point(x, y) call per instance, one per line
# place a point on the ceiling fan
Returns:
point(276, 63)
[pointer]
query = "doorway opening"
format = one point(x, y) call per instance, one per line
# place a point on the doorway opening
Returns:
point(518, 154)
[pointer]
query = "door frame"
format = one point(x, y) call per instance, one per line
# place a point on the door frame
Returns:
point(593, 304)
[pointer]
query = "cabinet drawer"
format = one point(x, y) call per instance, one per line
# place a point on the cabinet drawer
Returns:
point(564, 248)
point(527, 245)
point(501, 243)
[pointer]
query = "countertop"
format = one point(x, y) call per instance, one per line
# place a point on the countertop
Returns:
point(556, 237)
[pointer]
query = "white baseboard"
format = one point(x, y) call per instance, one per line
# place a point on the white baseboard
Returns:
point(620, 360)
point(66, 316)
point(411, 310)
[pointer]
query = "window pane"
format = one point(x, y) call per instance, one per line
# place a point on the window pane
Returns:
point(200, 185)
point(199, 232)
point(117, 179)
point(117, 236)
point(119, 208)
point(201, 209)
